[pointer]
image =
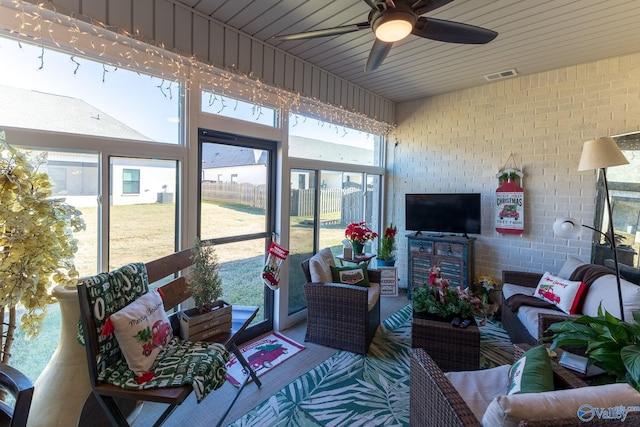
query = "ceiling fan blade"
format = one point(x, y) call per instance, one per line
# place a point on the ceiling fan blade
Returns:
point(452, 32)
point(371, 4)
point(429, 5)
point(324, 33)
point(378, 53)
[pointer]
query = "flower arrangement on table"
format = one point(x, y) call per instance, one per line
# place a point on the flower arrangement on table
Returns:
point(441, 300)
point(358, 234)
point(388, 244)
point(484, 287)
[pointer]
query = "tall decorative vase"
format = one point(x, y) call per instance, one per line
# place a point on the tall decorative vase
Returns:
point(63, 387)
point(358, 248)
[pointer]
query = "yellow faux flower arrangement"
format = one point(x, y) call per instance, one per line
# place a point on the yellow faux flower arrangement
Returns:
point(37, 247)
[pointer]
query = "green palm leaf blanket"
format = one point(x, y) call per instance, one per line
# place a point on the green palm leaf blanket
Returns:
point(349, 389)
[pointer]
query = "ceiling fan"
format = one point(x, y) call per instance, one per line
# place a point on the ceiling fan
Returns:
point(393, 20)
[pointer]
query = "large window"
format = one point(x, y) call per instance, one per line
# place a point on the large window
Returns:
point(345, 187)
point(44, 89)
point(624, 190)
point(226, 106)
point(314, 139)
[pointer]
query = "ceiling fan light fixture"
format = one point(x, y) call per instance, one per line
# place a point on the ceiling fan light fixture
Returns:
point(394, 26)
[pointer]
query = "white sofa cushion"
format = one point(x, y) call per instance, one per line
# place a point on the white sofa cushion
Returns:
point(605, 290)
point(509, 289)
point(570, 266)
point(510, 410)
point(526, 314)
point(320, 266)
point(479, 388)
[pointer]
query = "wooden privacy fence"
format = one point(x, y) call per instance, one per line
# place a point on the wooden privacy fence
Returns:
point(234, 193)
point(349, 201)
point(303, 201)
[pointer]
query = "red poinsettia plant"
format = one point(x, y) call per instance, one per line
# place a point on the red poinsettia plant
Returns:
point(359, 232)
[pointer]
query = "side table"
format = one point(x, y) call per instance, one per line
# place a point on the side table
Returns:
point(357, 259)
point(452, 348)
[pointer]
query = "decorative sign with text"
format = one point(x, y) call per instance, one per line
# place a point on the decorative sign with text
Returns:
point(510, 208)
point(388, 281)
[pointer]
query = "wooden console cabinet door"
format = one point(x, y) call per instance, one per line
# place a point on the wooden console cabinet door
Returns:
point(454, 253)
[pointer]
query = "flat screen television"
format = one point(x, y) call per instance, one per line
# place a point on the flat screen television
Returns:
point(443, 213)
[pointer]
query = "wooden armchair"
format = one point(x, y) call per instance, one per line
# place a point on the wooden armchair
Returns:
point(339, 316)
point(175, 292)
point(20, 387)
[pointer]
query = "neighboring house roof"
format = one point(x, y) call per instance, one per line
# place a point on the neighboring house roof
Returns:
point(25, 108)
point(309, 148)
point(220, 156)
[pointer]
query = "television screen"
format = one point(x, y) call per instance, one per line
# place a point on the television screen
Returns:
point(443, 213)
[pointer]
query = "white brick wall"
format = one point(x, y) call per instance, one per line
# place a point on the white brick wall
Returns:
point(457, 142)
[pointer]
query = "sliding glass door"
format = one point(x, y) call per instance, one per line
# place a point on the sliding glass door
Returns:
point(323, 203)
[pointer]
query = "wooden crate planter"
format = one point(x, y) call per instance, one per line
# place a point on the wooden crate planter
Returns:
point(196, 326)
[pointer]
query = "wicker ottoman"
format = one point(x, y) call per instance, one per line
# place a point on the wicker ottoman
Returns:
point(453, 349)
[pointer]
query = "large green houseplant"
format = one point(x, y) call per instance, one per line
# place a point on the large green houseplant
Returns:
point(37, 247)
point(609, 342)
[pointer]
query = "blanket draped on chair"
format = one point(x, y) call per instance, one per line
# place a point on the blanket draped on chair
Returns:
point(201, 364)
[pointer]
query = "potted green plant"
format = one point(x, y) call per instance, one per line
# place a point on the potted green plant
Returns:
point(607, 341)
point(386, 252)
point(211, 316)
point(37, 247)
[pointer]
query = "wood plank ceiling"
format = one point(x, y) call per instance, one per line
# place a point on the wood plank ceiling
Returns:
point(534, 36)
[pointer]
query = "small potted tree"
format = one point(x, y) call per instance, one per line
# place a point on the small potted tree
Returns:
point(386, 253)
point(211, 316)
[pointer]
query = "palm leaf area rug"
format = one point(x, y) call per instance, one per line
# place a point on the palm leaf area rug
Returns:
point(350, 389)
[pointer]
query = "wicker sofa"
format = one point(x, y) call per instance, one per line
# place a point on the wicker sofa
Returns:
point(528, 324)
point(435, 401)
point(342, 316)
point(517, 330)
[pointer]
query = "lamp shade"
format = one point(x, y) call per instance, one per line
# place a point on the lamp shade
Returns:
point(569, 228)
point(599, 153)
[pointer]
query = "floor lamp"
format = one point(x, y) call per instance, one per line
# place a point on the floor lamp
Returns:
point(599, 153)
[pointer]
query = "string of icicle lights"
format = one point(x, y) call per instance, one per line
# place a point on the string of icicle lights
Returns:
point(36, 25)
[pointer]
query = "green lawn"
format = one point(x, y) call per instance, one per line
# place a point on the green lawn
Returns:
point(140, 233)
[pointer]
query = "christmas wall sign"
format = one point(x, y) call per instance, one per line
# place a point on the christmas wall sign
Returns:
point(509, 204)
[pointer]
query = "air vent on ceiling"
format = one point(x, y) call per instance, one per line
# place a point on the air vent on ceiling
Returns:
point(501, 75)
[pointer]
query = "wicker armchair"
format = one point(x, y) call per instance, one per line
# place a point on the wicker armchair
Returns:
point(517, 331)
point(434, 401)
point(338, 315)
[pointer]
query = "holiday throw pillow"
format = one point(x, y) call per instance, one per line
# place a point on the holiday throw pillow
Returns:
point(351, 275)
point(142, 328)
point(532, 373)
point(564, 294)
